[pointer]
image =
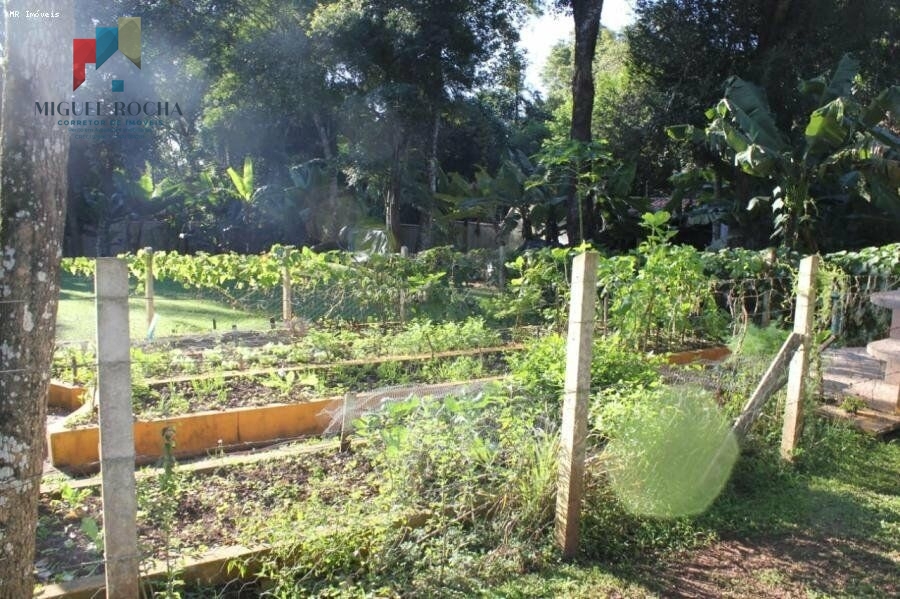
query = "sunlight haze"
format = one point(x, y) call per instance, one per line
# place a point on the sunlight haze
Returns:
point(540, 34)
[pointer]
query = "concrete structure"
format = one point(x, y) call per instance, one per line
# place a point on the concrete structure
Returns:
point(888, 351)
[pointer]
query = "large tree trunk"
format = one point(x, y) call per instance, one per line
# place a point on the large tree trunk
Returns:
point(329, 150)
point(587, 27)
point(33, 178)
point(392, 197)
point(426, 222)
point(774, 14)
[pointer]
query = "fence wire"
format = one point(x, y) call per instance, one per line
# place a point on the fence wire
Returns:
point(73, 510)
point(756, 300)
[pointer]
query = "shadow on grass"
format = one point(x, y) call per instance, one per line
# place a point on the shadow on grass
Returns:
point(829, 527)
point(779, 566)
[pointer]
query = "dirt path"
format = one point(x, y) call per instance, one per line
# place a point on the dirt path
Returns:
point(796, 566)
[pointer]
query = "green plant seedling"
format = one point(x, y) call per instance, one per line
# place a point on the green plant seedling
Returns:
point(852, 404)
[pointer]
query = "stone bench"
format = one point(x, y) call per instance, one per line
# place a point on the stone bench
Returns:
point(888, 350)
point(891, 301)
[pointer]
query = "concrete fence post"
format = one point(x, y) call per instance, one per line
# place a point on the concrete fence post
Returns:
point(116, 430)
point(404, 254)
point(766, 317)
point(804, 320)
point(287, 296)
point(570, 481)
point(501, 274)
point(149, 279)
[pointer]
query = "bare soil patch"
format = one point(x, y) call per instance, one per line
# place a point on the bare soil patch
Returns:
point(211, 509)
point(779, 567)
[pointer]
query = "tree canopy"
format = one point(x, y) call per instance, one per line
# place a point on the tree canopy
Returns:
point(354, 114)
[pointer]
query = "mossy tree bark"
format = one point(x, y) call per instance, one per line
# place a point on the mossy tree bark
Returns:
point(33, 179)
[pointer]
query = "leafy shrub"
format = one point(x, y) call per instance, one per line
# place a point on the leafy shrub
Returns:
point(539, 289)
point(424, 336)
point(665, 297)
point(758, 342)
point(540, 369)
point(463, 492)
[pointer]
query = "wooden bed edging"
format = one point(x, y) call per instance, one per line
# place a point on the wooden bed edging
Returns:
point(710, 353)
point(65, 395)
point(210, 569)
point(199, 433)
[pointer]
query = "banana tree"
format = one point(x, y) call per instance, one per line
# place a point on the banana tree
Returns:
point(507, 199)
point(844, 143)
point(243, 182)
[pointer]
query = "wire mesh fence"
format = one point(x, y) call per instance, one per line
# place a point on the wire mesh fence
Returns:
point(69, 534)
point(740, 301)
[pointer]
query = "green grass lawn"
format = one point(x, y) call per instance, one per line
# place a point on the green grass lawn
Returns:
point(180, 311)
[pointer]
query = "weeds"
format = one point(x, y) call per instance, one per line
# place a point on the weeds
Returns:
point(158, 500)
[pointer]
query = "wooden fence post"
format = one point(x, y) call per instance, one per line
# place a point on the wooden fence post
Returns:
point(772, 381)
point(348, 411)
point(148, 285)
point(116, 429)
point(287, 308)
point(804, 319)
point(570, 481)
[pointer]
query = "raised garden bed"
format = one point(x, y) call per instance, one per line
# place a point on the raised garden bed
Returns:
point(66, 396)
point(205, 433)
point(254, 350)
point(213, 508)
point(185, 394)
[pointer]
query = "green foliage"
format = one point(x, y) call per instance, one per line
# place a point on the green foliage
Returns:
point(758, 342)
point(873, 261)
point(425, 336)
point(244, 184)
point(540, 369)
point(601, 182)
point(158, 501)
point(463, 493)
point(72, 498)
point(853, 404)
point(540, 289)
point(843, 140)
point(667, 299)
point(74, 365)
point(92, 530)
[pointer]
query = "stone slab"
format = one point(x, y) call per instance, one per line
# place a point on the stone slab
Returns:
point(886, 350)
point(868, 421)
point(887, 299)
point(851, 372)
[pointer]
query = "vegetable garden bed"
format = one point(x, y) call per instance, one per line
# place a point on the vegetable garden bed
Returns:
point(211, 432)
point(235, 410)
point(208, 511)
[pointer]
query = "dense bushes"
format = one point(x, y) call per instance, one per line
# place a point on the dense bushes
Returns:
point(659, 295)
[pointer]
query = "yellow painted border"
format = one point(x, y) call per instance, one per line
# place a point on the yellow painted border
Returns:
point(65, 396)
point(710, 353)
point(200, 433)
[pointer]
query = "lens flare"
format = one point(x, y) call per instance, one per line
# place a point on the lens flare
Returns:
point(672, 458)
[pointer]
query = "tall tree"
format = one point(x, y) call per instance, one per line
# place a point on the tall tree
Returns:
point(586, 14)
point(409, 62)
point(33, 156)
